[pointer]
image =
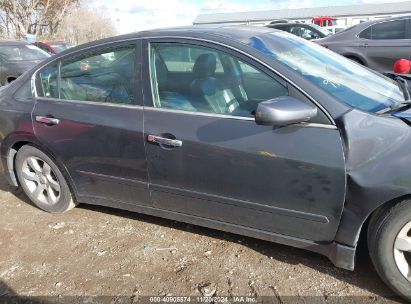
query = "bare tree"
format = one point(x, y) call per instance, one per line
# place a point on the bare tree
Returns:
point(86, 24)
point(21, 17)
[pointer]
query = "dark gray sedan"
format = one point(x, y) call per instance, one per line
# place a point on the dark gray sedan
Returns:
point(17, 57)
point(375, 44)
point(243, 129)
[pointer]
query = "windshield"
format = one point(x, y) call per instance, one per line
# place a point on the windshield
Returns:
point(22, 52)
point(349, 82)
point(60, 47)
point(321, 29)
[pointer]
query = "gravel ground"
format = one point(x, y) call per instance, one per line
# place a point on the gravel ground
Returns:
point(92, 251)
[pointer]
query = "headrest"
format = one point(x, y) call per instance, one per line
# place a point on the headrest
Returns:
point(204, 66)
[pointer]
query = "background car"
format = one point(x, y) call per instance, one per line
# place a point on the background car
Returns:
point(16, 57)
point(324, 21)
point(328, 23)
point(245, 129)
point(53, 47)
point(375, 44)
point(303, 30)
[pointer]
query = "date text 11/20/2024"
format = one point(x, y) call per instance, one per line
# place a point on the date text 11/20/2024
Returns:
point(203, 299)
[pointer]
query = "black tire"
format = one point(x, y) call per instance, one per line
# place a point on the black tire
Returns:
point(31, 180)
point(383, 230)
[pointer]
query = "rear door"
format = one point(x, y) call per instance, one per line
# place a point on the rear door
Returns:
point(220, 165)
point(89, 115)
point(387, 42)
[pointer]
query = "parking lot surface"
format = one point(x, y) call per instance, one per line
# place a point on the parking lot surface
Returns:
point(101, 251)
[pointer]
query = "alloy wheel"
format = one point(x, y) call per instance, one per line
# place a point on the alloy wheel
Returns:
point(402, 251)
point(40, 180)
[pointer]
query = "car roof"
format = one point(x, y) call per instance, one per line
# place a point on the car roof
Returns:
point(368, 23)
point(232, 32)
point(222, 29)
point(353, 31)
point(238, 33)
point(12, 42)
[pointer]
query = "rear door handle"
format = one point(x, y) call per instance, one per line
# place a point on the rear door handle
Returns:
point(164, 141)
point(47, 120)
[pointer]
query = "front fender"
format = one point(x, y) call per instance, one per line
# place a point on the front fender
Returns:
point(378, 167)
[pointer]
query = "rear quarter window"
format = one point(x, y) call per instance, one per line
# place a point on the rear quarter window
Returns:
point(24, 93)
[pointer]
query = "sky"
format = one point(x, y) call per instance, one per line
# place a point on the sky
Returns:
point(137, 15)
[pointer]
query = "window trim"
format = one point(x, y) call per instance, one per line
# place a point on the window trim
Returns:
point(253, 61)
point(224, 116)
point(385, 21)
point(108, 104)
point(140, 44)
point(131, 43)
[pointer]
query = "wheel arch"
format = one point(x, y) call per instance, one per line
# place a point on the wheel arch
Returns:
point(374, 214)
point(360, 237)
point(356, 57)
point(10, 160)
point(10, 79)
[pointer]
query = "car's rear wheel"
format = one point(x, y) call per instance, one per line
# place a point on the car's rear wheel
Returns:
point(389, 242)
point(42, 180)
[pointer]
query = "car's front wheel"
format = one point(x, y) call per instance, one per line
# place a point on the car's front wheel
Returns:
point(389, 242)
point(42, 180)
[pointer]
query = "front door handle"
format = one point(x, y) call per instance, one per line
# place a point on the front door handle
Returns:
point(164, 141)
point(47, 120)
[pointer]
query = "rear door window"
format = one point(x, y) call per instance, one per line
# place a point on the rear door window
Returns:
point(101, 76)
point(106, 76)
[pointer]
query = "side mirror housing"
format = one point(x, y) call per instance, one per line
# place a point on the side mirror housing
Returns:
point(284, 110)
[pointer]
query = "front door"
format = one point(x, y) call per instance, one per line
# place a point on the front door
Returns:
point(208, 158)
point(88, 115)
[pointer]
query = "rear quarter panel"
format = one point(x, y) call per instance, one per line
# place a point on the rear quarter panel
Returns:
point(15, 121)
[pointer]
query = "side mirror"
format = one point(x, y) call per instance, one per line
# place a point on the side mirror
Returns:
point(284, 110)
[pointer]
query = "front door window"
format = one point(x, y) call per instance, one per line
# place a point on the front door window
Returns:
point(200, 79)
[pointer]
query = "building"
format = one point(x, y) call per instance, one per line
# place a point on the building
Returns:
point(346, 15)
